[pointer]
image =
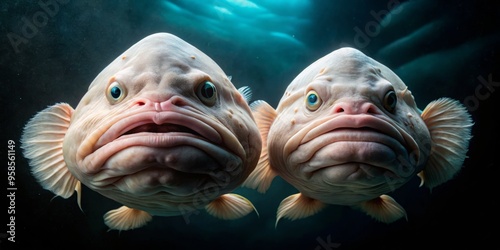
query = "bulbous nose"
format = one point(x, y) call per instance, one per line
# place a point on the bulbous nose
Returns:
point(355, 107)
point(172, 101)
point(163, 104)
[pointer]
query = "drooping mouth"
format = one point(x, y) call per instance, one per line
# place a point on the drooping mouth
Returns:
point(360, 123)
point(146, 133)
point(158, 125)
point(349, 140)
point(162, 128)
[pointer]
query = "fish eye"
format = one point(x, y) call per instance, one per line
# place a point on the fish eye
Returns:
point(313, 101)
point(207, 93)
point(115, 92)
point(390, 101)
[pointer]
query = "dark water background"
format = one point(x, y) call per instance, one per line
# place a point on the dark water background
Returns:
point(51, 50)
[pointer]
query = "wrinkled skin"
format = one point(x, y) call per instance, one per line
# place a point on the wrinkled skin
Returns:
point(355, 142)
point(151, 134)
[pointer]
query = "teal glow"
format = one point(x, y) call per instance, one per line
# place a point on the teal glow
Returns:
point(242, 20)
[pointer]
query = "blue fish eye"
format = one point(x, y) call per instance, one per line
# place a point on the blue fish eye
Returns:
point(115, 92)
point(390, 101)
point(313, 101)
point(207, 92)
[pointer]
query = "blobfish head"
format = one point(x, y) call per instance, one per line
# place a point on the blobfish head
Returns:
point(349, 125)
point(162, 123)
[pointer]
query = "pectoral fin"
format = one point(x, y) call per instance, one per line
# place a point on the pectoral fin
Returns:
point(450, 126)
point(384, 209)
point(125, 218)
point(298, 206)
point(263, 175)
point(42, 142)
point(230, 206)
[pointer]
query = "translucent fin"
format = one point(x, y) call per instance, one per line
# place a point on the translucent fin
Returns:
point(298, 206)
point(125, 218)
point(78, 189)
point(230, 207)
point(246, 92)
point(42, 142)
point(384, 209)
point(263, 175)
point(450, 126)
point(230, 78)
point(421, 176)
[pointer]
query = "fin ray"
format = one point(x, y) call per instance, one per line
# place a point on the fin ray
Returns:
point(263, 175)
point(42, 141)
point(125, 218)
point(246, 92)
point(384, 209)
point(230, 207)
point(450, 126)
point(298, 206)
point(78, 189)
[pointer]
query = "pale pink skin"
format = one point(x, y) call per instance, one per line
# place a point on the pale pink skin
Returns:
point(199, 152)
point(351, 149)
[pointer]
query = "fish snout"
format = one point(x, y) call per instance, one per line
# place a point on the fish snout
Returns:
point(353, 107)
point(161, 105)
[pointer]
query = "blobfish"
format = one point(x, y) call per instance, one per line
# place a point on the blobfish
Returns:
point(347, 131)
point(161, 130)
